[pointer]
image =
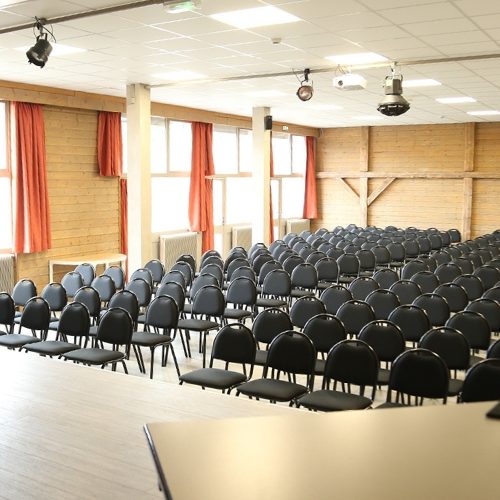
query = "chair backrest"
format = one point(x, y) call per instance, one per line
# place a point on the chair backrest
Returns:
point(127, 300)
point(211, 256)
point(361, 287)
point(464, 264)
point(74, 320)
point(482, 382)
point(142, 290)
point(304, 276)
point(407, 291)
point(55, 295)
point(242, 291)
point(450, 344)
point(382, 255)
point(435, 306)
point(23, 290)
point(324, 330)
point(447, 272)
point(426, 280)
point(36, 316)
point(268, 266)
point(472, 285)
point(420, 373)
point(411, 248)
point(214, 270)
point(186, 270)
point(162, 314)
point(385, 338)
point(492, 293)
point(157, 270)
point(348, 265)
point(7, 311)
point(396, 251)
point(413, 267)
point(277, 283)
point(292, 262)
point(385, 277)
point(235, 343)
point(235, 255)
point(200, 281)
point(494, 350)
point(174, 276)
point(383, 302)
point(455, 235)
point(89, 296)
point(144, 274)
point(234, 264)
point(209, 301)
point(455, 296)
point(489, 275)
point(441, 257)
point(87, 271)
point(244, 272)
point(355, 314)
point(72, 282)
point(189, 259)
point(351, 362)
point(115, 327)
point(334, 296)
point(174, 290)
point(269, 323)
point(304, 309)
point(328, 269)
point(105, 287)
point(412, 321)
point(292, 353)
point(315, 257)
point(474, 327)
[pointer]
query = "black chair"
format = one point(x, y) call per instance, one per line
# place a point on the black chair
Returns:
point(426, 280)
point(482, 382)
point(235, 344)
point(472, 285)
point(142, 290)
point(453, 348)
point(243, 272)
point(186, 270)
point(75, 323)
point(413, 267)
point(366, 262)
point(157, 270)
point(160, 324)
point(361, 287)
point(455, 296)
point(334, 296)
point(23, 290)
point(304, 309)
point(411, 320)
point(292, 262)
point(387, 341)
point(328, 272)
point(419, 373)
point(188, 259)
point(7, 313)
point(492, 293)
point(411, 248)
point(447, 272)
point(234, 264)
point(324, 330)
point(304, 280)
point(406, 291)
point(382, 256)
point(214, 270)
point(115, 328)
point(206, 316)
point(35, 317)
point(314, 257)
point(348, 265)
point(464, 264)
point(276, 290)
point(90, 298)
point(475, 328)
point(72, 282)
point(383, 302)
point(266, 326)
point(174, 276)
point(117, 275)
point(350, 362)
point(174, 290)
point(142, 273)
point(105, 287)
point(242, 294)
point(397, 253)
point(290, 353)
point(494, 350)
point(455, 235)
point(490, 309)
point(211, 257)
point(435, 306)
point(56, 297)
point(87, 271)
point(385, 277)
point(355, 314)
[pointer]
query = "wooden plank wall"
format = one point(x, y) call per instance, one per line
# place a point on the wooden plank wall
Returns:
point(440, 176)
point(84, 207)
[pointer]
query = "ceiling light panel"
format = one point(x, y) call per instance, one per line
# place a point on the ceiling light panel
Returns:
point(253, 18)
point(179, 76)
point(421, 82)
point(455, 100)
point(485, 112)
point(359, 58)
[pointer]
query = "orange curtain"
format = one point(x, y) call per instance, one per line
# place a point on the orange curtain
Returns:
point(109, 144)
point(200, 190)
point(271, 175)
point(32, 201)
point(310, 198)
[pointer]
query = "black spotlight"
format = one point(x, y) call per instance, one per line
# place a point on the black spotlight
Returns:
point(40, 52)
point(393, 104)
point(305, 91)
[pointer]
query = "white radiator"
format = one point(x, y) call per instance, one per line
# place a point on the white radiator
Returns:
point(297, 225)
point(241, 236)
point(7, 273)
point(176, 244)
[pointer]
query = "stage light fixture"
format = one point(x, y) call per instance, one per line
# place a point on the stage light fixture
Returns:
point(40, 52)
point(393, 104)
point(305, 91)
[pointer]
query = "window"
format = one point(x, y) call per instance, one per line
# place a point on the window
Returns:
point(5, 184)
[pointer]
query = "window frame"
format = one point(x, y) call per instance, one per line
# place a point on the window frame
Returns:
point(6, 172)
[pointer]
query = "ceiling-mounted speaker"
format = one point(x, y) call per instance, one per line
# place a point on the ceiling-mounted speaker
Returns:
point(268, 122)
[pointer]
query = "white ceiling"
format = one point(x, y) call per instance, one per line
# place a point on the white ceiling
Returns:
point(133, 45)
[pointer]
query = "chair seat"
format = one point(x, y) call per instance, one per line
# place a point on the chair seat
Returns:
point(215, 378)
point(319, 367)
point(16, 340)
point(383, 376)
point(268, 302)
point(323, 285)
point(327, 400)
point(198, 325)
point(391, 405)
point(93, 331)
point(301, 293)
point(54, 324)
point(51, 347)
point(236, 314)
point(141, 318)
point(272, 389)
point(260, 357)
point(150, 339)
point(94, 356)
point(455, 387)
point(474, 360)
point(188, 307)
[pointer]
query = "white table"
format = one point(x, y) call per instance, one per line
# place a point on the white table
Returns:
point(96, 259)
point(73, 432)
point(428, 453)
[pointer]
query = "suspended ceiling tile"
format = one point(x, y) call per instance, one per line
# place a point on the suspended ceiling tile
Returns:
point(421, 13)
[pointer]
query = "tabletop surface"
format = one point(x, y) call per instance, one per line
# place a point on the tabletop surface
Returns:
point(433, 452)
point(75, 432)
